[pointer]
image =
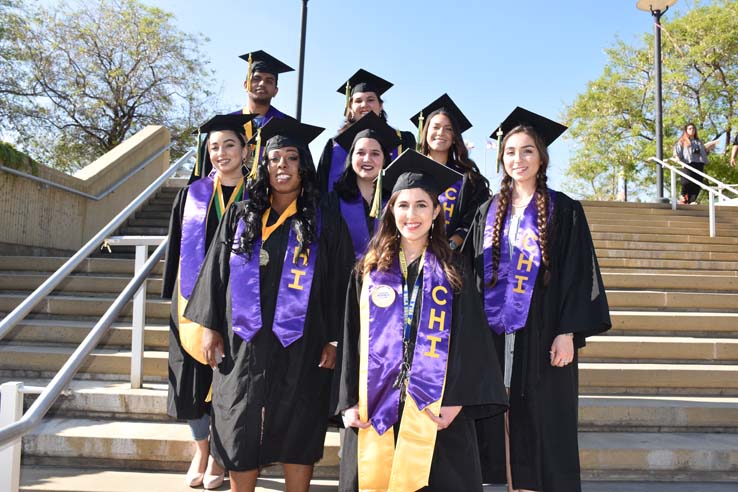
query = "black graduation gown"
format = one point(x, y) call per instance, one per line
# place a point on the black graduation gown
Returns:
point(543, 399)
point(326, 159)
point(270, 403)
point(473, 380)
point(471, 196)
point(189, 381)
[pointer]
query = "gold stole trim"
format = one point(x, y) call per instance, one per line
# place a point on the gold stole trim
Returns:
point(382, 466)
point(190, 333)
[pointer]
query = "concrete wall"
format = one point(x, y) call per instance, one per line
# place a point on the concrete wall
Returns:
point(35, 217)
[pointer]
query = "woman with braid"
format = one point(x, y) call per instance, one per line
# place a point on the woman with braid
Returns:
point(537, 273)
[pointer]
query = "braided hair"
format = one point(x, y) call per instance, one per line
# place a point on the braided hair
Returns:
point(505, 199)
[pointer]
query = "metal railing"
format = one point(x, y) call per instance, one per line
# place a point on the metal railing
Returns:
point(25, 307)
point(96, 198)
point(11, 402)
point(712, 193)
point(718, 185)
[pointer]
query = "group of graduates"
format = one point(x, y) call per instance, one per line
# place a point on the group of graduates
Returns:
point(386, 286)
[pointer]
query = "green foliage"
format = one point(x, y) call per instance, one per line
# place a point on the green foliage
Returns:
point(13, 158)
point(612, 122)
point(90, 74)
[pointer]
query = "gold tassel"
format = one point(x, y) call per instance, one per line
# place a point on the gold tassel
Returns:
point(376, 210)
point(421, 119)
point(499, 150)
point(248, 74)
point(348, 100)
point(255, 164)
point(197, 155)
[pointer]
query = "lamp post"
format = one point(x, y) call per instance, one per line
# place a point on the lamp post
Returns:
point(301, 68)
point(657, 8)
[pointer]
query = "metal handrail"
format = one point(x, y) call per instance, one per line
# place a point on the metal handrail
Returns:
point(92, 245)
point(96, 198)
point(718, 184)
point(711, 192)
point(65, 375)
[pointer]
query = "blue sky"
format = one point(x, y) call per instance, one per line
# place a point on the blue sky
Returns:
point(488, 55)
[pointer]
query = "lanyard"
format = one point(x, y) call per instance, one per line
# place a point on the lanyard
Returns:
point(409, 298)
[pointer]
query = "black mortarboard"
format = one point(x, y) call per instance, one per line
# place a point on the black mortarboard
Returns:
point(261, 61)
point(548, 130)
point(445, 102)
point(282, 132)
point(364, 81)
point(414, 170)
point(371, 126)
point(221, 122)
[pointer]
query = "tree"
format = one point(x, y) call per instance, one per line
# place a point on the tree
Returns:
point(613, 121)
point(89, 75)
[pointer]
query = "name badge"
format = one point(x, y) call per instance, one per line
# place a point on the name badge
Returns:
point(383, 296)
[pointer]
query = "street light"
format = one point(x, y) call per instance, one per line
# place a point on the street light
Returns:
point(301, 68)
point(657, 9)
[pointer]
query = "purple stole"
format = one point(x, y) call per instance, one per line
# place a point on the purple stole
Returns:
point(292, 297)
point(354, 215)
point(192, 243)
point(448, 198)
point(508, 302)
point(338, 162)
point(386, 324)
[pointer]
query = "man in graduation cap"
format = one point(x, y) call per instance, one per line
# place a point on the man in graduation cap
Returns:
point(538, 277)
point(196, 213)
point(363, 92)
point(418, 364)
point(271, 302)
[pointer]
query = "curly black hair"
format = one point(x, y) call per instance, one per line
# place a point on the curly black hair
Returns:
point(305, 222)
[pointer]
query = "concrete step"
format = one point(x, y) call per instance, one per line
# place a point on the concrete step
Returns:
point(143, 231)
point(108, 283)
point(652, 237)
point(148, 222)
point(127, 444)
point(610, 348)
point(642, 208)
point(599, 378)
point(721, 325)
point(40, 360)
point(669, 232)
point(156, 215)
point(156, 336)
point(87, 305)
point(658, 414)
point(667, 264)
point(44, 478)
point(664, 246)
point(668, 255)
point(670, 271)
point(655, 299)
point(90, 265)
point(652, 281)
point(699, 216)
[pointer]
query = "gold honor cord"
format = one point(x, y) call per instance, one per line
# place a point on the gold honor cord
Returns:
point(267, 231)
point(257, 151)
point(399, 147)
point(376, 209)
point(220, 205)
point(499, 149)
point(348, 100)
point(197, 155)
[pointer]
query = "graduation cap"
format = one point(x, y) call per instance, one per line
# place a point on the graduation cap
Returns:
point(219, 122)
point(363, 81)
point(261, 61)
point(548, 130)
point(444, 102)
point(414, 170)
point(282, 132)
point(369, 126)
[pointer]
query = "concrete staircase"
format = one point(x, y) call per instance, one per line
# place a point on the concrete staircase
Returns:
point(659, 391)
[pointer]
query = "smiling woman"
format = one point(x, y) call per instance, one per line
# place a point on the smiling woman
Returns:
point(267, 294)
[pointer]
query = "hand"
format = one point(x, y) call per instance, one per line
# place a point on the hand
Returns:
point(351, 418)
point(732, 162)
point(448, 414)
point(328, 357)
point(562, 350)
point(212, 347)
